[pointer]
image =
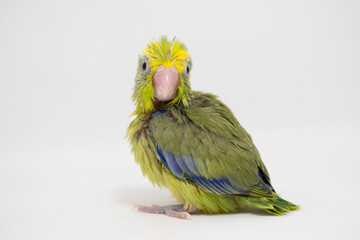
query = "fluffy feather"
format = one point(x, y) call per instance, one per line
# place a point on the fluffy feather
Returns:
point(194, 145)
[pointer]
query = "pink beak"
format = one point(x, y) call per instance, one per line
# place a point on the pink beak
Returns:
point(165, 83)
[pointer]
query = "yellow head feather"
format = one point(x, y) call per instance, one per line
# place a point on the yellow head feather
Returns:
point(164, 52)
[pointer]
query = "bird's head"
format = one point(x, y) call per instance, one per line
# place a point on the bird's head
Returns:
point(162, 76)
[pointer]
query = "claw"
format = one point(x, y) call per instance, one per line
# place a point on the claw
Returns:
point(176, 211)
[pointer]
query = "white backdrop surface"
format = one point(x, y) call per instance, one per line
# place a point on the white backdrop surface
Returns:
point(289, 70)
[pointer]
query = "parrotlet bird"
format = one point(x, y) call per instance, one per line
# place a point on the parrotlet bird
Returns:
point(191, 143)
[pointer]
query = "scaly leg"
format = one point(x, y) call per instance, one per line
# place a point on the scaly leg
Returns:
point(176, 211)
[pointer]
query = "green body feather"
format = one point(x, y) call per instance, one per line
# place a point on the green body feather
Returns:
point(207, 131)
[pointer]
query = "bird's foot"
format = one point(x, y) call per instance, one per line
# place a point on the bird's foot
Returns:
point(176, 211)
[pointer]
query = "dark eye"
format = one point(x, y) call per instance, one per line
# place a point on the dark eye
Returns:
point(144, 66)
point(187, 69)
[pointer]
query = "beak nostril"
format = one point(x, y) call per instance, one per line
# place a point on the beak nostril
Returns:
point(174, 69)
point(162, 68)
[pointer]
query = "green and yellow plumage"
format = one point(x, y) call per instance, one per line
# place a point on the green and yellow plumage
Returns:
point(202, 132)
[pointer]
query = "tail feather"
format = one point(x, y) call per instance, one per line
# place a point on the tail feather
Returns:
point(275, 205)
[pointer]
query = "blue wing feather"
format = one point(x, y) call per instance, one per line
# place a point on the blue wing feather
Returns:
point(180, 161)
point(173, 165)
point(191, 164)
point(162, 158)
point(180, 166)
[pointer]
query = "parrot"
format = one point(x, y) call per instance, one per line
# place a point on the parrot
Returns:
point(191, 143)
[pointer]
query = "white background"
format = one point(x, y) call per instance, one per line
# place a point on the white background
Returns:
point(290, 71)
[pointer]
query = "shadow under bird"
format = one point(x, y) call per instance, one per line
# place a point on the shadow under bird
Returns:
point(191, 143)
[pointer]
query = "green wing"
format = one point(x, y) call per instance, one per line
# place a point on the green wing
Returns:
point(206, 145)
